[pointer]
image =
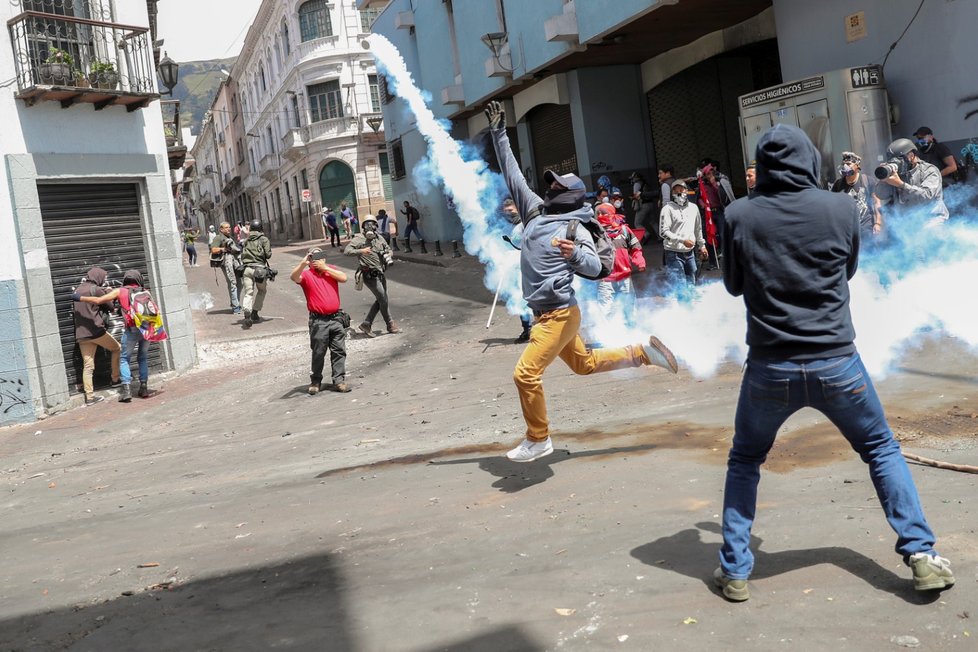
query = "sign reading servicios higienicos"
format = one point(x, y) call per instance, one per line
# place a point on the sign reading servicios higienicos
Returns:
point(784, 90)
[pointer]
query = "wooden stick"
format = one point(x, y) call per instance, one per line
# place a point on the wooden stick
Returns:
point(963, 468)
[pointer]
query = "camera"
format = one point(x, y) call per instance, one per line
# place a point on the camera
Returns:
point(895, 165)
point(272, 273)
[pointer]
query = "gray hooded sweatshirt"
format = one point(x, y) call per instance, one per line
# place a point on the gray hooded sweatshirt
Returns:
point(547, 276)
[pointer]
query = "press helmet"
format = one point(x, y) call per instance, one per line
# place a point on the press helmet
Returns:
point(256, 226)
point(901, 147)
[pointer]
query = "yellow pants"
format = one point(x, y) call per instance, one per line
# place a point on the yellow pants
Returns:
point(555, 334)
point(88, 349)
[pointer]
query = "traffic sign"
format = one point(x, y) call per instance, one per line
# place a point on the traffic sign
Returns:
point(307, 195)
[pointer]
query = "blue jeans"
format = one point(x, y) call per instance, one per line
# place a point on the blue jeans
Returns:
point(417, 231)
point(839, 388)
point(132, 338)
point(680, 264)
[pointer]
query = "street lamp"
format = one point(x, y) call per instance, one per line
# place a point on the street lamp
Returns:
point(169, 71)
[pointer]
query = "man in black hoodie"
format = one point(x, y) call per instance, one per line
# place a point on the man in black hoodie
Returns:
point(791, 250)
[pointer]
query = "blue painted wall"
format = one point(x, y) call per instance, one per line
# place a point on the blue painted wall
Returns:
point(931, 68)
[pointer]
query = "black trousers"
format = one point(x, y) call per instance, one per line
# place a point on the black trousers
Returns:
point(327, 335)
point(378, 286)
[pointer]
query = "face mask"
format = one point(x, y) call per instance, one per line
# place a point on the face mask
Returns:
point(617, 203)
point(699, 174)
point(847, 170)
point(681, 199)
point(924, 144)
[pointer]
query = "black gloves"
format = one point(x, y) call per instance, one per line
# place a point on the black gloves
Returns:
point(75, 296)
point(496, 116)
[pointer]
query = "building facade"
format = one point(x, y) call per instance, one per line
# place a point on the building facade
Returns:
point(301, 111)
point(86, 176)
point(600, 92)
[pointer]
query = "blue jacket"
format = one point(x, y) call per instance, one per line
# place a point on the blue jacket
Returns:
point(547, 276)
point(790, 250)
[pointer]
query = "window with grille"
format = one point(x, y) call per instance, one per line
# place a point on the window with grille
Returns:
point(285, 38)
point(374, 93)
point(325, 100)
point(386, 96)
point(397, 154)
point(367, 18)
point(314, 21)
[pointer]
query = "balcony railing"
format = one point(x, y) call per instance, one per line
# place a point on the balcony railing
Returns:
point(331, 128)
point(268, 167)
point(72, 59)
point(293, 143)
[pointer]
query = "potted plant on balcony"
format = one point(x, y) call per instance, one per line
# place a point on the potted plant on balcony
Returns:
point(58, 68)
point(103, 75)
point(171, 135)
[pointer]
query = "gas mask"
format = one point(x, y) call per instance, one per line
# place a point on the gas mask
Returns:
point(370, 231)
point(847, 170)
point(923, 144)
point(681, 199)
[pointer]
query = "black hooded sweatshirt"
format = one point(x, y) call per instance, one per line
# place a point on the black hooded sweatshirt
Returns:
point(89, 319)
point(791, 249)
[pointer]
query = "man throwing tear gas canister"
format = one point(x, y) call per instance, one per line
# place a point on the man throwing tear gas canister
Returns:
point(548, 262)
point(374, 257)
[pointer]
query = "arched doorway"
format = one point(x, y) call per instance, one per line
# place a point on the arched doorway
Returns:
point(337, 185)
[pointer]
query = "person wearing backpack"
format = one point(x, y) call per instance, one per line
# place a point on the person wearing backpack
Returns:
point(132, 337)
point(254, 256)
point(628, 252)
point(552, 251)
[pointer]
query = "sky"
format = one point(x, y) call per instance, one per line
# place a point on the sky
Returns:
point(195, 30)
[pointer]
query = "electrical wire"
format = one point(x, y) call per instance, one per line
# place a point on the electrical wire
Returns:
point(902, 34)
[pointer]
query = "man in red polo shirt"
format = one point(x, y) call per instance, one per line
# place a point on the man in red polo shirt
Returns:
point(320, 283)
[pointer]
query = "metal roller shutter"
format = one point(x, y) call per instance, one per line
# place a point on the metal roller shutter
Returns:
point(552, 137)
point(85, 226)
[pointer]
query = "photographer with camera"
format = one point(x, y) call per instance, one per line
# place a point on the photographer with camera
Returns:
point(254, 256)
point(910, 184)
point(327, 321)
point(374, 257)
point(224, 253)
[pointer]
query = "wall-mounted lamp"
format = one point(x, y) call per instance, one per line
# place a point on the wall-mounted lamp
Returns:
point(495, 42)
point(169, 72)
point(374, 123)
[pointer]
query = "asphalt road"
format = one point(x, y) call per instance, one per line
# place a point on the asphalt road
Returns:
point(231, 511)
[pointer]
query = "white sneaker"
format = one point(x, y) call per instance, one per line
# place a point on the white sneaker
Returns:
point(660, 355)
point(528, 450)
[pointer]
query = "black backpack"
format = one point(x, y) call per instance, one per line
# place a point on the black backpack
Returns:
point(602, 244)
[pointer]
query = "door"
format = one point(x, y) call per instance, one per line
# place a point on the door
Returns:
point(754, 128)
point(813, 118)
point(336, 185)
point(85, 226)
point(552, 138)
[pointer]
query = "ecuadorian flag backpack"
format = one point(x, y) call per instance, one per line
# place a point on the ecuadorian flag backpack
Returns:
point(141, 311)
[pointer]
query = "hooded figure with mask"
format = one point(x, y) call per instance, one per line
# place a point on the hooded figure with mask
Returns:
point(548, 263)
point(132, 338)
point(91, 330)
point(374, 255)
point(791, 250)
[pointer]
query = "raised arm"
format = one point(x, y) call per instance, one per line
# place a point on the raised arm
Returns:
point(526, 200)
point(105, 298)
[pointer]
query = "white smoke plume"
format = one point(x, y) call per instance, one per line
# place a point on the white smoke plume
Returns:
point(918, 284)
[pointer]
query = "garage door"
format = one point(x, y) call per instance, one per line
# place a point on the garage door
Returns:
point(85, 226)
point(552, 136)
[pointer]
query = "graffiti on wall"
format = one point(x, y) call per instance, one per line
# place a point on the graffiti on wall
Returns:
point(13, 393)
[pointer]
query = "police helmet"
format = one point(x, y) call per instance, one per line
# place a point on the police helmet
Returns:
point(256, 226)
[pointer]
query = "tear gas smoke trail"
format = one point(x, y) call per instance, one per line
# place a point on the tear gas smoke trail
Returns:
point(475, 191)
point(909, 287)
